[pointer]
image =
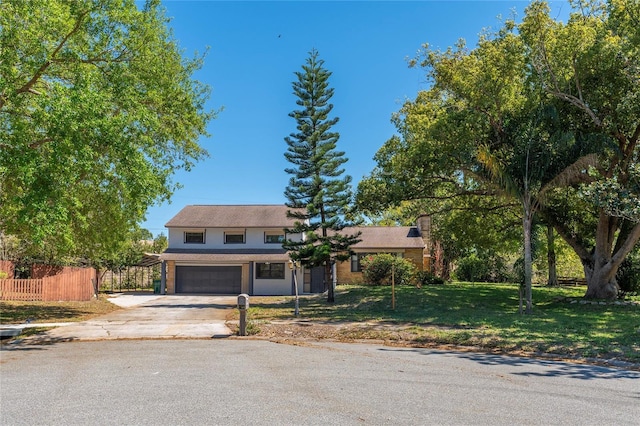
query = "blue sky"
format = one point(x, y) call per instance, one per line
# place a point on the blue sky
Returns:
point(256, 46)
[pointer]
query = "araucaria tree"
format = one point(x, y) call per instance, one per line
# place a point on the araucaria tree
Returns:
point(318, 194)
point(98, 108)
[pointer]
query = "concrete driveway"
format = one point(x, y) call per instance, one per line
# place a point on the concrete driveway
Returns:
point(152, 317)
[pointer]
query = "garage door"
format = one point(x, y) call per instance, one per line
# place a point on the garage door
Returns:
point(209, 279)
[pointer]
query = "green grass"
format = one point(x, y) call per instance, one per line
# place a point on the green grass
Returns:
point(479, 315)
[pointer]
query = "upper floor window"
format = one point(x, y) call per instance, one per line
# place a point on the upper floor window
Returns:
point(234, 237)
point(273, 237)
point(194, 237)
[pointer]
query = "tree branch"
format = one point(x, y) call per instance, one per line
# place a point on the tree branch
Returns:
point(575, 244)
point(92, 61)
point(40, 142)
point(629, 243)
point(28, 87)
point(579, 103)
point(634, 140)
point(557, 92)
point(578, 86)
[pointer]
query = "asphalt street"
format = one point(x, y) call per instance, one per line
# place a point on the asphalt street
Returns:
point(243, 381)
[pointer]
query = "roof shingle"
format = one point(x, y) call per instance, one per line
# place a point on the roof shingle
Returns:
point(232, 216)
point(383, 237)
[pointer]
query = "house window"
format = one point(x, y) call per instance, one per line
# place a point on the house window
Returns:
point(270, 271)
point(274, 237)
point(194, 237)
point(356, 259)
point(234, 237)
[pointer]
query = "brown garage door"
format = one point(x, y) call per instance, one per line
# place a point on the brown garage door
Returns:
point(209, 279)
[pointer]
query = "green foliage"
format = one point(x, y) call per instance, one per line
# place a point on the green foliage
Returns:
point(524, 116)
point(11, 248)
point(379, 269)
point(629, 274)
point(484, 267)
point(98, 109)
point(427, 278)
point(589, 68)
point(253, 328)
point(618, 200)
point(567, 262)
point(318, 196)
point(160, 244)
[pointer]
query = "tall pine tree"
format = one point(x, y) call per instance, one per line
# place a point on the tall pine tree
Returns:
point(318, 195)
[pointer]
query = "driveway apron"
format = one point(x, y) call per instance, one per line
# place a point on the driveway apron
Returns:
point(152, 317)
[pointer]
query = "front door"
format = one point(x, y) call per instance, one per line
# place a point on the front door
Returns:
point(317, 280)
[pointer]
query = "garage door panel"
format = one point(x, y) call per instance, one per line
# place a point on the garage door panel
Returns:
point(209, 279)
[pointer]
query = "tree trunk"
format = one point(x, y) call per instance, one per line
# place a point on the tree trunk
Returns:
point(601, 262)
point(551, 258)
point(528, 259)
point(328, 276)
point(601, 278)
point(601, 267)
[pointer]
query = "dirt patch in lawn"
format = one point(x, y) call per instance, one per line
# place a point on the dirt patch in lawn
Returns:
point(303, 332)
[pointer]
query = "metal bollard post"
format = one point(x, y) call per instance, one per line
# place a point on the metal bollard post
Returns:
point(243, 306)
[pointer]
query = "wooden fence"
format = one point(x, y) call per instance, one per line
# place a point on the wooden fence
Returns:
point(74, 285)
point(571, 281)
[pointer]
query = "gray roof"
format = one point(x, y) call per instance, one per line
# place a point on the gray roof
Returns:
point(232, 216)
point(386, 237)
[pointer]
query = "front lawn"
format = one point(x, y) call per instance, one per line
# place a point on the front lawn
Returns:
point(14, 312)
point(483, 316)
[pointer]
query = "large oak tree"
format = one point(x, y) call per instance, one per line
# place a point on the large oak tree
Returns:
point(504, 118)
point(98, 108)
point(591, 67)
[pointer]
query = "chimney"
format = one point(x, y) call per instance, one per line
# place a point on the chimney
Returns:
point(424, 227)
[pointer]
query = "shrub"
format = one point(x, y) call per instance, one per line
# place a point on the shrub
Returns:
point(490, 268)
point(427, 278)
point(376, 269)
point(628, 275)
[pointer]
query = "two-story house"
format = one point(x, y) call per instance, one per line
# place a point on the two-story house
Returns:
point(232, 249)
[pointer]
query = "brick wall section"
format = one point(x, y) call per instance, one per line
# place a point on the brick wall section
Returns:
point(424, 225)
point(415, 256)
point(171, 277)
point(426, 263)
point(345, 276)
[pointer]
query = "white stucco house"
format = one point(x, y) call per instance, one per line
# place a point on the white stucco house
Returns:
point(232, 249)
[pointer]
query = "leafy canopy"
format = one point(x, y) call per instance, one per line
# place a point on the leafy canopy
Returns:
point(534, 115)
point(98, 109)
